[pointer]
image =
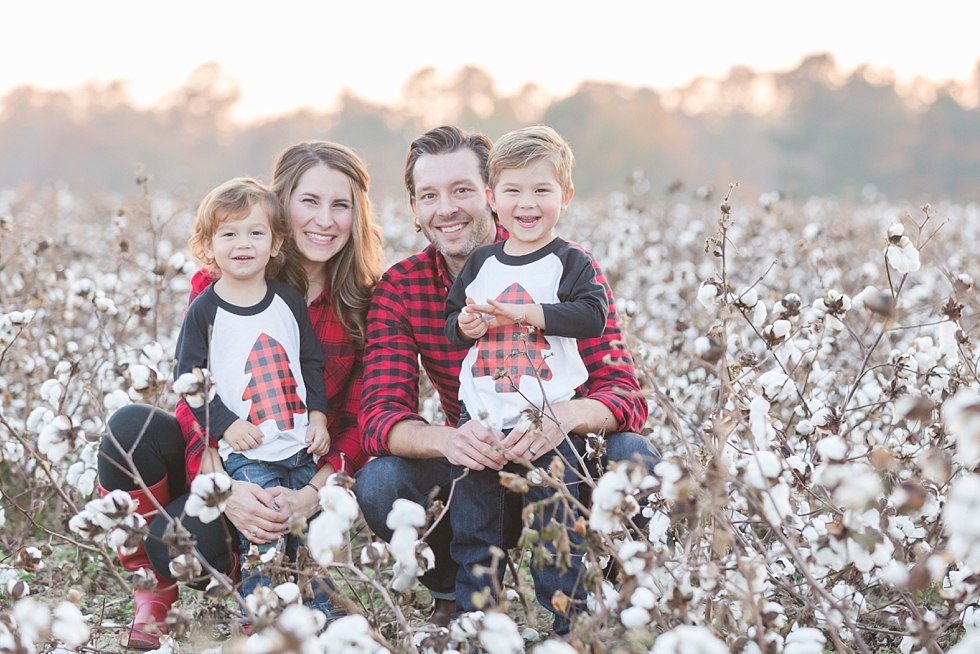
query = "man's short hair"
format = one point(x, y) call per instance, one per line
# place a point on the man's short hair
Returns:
point(524, 147)
point(446, 140)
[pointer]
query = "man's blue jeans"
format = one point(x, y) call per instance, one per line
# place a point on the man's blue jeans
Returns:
point(485, 514)
point(294, 473)
point(388, 478)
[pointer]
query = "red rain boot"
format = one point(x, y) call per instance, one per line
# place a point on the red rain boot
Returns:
point(150, 605)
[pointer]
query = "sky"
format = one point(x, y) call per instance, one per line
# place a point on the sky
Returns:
point(291, 54)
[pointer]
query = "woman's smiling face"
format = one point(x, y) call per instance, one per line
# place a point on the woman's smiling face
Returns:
point(321, 210)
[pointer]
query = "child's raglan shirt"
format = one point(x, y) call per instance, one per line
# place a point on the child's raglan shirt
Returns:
point(498, 379)
point(266, 363)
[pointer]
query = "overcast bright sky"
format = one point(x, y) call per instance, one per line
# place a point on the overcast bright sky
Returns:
point(292, 53)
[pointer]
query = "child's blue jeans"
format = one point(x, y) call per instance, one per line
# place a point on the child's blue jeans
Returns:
point(293, 472)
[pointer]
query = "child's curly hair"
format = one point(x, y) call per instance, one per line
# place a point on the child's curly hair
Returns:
point(234, 200)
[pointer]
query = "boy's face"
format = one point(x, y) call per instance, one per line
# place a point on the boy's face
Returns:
point(528, 202)
point(242, 248)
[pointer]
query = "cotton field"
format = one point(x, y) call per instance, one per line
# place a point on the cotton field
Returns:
point(811, 370)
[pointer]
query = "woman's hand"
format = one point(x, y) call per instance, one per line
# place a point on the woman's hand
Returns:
point(305, 501)
point(255, 512)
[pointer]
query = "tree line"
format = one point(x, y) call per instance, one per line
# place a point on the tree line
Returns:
point(812, 130)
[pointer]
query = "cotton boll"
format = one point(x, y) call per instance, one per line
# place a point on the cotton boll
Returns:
point(961, 414)
point(759, 422)
point(500, 635)
point(177, 261)
point(405, 513)
point(832, 448)
point(208, 496)
point(634, 617)
point(774, 383)
point(707, 294)
point(151, 354)
point(52, 391)
point(115, 400)
point(686, 639)
point(69, 626)
point(56, 439)
point(902, 256)
point(805, 640)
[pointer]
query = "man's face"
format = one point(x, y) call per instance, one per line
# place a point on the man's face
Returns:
point(451, 205)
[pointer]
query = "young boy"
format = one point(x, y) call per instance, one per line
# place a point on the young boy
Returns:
point(520, 305)
point(255, 336)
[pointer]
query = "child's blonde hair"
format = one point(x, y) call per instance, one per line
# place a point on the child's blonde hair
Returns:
point(234, 200)
point(526, 146)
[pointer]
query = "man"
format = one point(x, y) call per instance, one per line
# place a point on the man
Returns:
point(446, 179)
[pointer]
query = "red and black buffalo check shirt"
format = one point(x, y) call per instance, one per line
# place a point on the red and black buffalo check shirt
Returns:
point(343, 375)
point(407, 326)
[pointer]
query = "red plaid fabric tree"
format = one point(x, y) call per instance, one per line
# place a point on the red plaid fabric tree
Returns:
point(502, 349)
point(272, 389)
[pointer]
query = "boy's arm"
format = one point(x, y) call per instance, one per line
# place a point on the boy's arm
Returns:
point(459, 324)
point(192, 352)
point(583, 305)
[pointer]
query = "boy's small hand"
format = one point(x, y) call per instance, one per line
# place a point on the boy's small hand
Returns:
point(471, 322)
point(319, 439)
point(505, 314)
point(242, 435)
point(472, 325)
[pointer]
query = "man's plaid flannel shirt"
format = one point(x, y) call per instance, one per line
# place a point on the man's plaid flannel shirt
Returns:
point(406, 325)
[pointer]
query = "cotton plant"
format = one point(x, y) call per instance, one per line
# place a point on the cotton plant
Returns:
point(806, 443)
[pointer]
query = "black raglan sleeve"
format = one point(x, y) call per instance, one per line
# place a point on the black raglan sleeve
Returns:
point(192, 352)
point(583, 307)
point(457, 295)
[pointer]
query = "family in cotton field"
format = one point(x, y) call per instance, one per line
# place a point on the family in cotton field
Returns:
point(516, 329)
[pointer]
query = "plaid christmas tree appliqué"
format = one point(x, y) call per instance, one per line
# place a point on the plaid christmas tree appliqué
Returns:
point(272, 389)
point(502, 349)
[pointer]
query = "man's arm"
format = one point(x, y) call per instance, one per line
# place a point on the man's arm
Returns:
point(612, 376)
point(391, 371)
point(390, 423)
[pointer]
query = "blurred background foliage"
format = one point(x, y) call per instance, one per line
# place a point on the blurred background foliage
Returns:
point(812, 130)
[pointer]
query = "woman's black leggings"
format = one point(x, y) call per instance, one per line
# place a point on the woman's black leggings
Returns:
point(159, 454)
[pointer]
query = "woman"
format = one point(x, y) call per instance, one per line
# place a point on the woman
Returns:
point(324, 189)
